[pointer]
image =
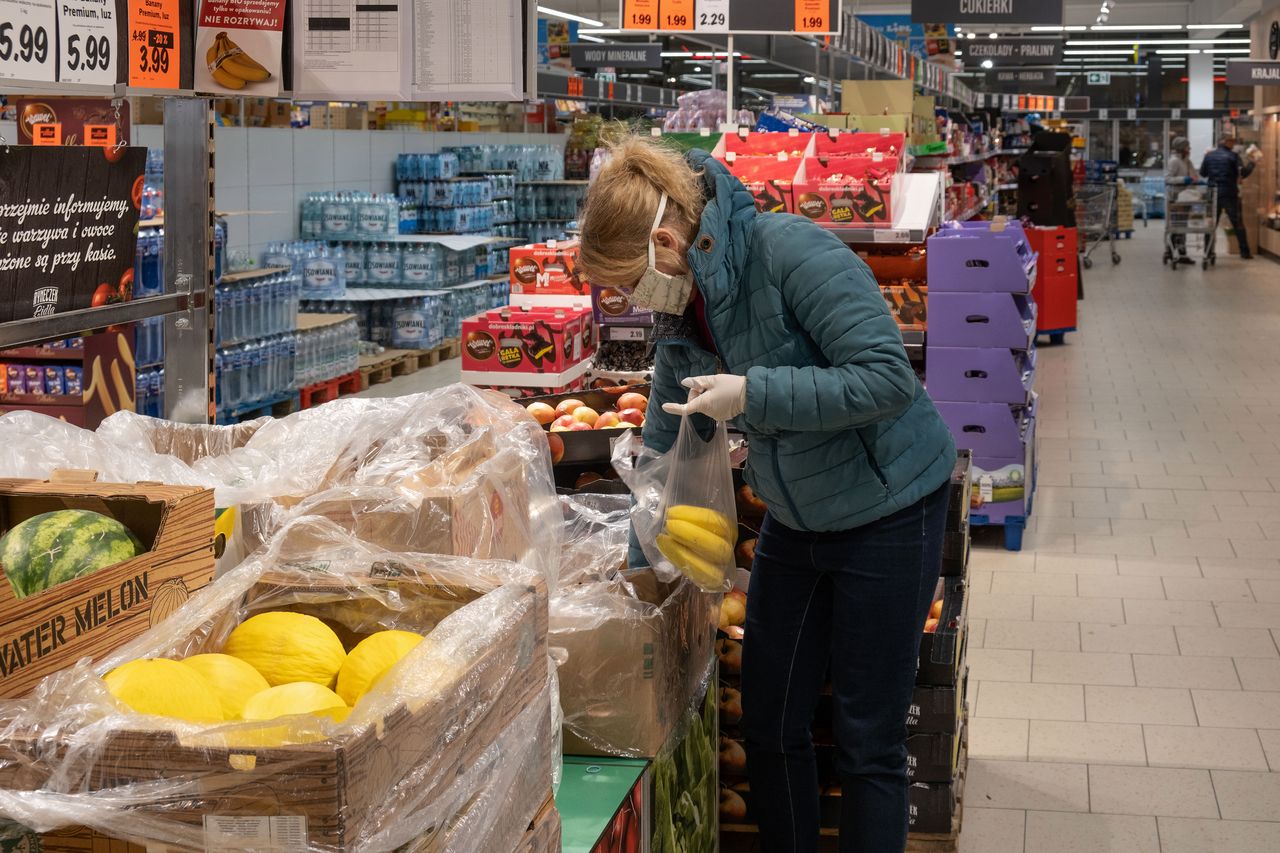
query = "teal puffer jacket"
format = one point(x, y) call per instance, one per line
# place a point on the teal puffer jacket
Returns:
point(841, 431)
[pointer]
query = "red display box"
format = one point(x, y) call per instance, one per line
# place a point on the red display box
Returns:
point(527, 340)
point(846, 190)
point(859, 144)
point(547, 269)
point(1057, 278)
point(769, 180)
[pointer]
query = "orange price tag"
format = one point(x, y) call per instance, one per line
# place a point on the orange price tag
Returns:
point(49, 133)
point(811, 16)
point(640, 15)
point(155, 60)
point(100, 135)
point(677, 15)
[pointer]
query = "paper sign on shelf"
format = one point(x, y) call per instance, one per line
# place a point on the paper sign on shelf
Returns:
point(28, 47)
point(713, 16)
point(238, 46)
point(676, 15)
point(811, 16)
point(640, 14)
point(467, 50)
point(342, 49)
point(88, 41)
point(155, 51)
point(100, 135)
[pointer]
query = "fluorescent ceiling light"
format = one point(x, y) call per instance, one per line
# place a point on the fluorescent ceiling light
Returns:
point(987, 63)
point(556, 13)
point(609, 31)
point(811, 80)
point(1241, 50)
point(992, 35)
point(1175, 51)
point(1157, 42)
point(773, 76)
point(586, 37)
point(1146, 28)
point(1071, 29)
point(1108, 51)
point(1215, 26)
point(676, 53)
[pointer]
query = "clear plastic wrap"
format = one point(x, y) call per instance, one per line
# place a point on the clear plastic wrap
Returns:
point(596, 529)
point(452, 750)
point(456, 470)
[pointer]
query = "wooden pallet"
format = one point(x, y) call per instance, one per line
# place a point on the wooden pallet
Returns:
point(275, 407)
point(377, 369)
point(330, 390)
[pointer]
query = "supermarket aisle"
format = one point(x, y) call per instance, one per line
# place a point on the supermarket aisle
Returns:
point(1125, 679)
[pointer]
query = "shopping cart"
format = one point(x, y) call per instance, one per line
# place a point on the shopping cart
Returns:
point(1095, 217)
point(1190, 222)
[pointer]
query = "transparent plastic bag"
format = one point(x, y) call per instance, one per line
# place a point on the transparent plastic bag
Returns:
point(684, 514)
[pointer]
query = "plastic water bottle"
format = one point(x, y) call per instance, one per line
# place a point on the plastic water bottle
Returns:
point(382, 265)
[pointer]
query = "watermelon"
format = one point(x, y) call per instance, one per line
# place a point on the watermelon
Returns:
point(49, 549)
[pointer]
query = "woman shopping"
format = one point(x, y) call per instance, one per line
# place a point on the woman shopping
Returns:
point(770, 322)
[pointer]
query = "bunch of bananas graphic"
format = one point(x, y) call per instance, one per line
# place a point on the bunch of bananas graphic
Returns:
point(230, 66)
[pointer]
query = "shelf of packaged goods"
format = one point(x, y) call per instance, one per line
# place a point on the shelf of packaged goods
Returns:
point(42, 354)
point(70, 324)
point(562, 182)
point(1013, 152)
point(456, 242)
point(244, 275)
point(377, 294)
point(69, 401)
point(915, 213)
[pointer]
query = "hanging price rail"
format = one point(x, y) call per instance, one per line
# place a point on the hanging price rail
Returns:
point(759, 17)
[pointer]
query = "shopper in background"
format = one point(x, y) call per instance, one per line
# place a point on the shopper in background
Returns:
point(1224, 171)
point(1180, 173)
point(770, 322)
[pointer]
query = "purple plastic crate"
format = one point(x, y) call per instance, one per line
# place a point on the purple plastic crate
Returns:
point(971, 375)
point(969, 257)
point(989, 429)
point(982, 320)
point(1006, 473)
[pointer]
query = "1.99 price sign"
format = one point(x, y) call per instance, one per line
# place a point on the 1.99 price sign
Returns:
point(731, 16)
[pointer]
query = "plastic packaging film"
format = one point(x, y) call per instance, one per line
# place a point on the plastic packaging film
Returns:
point(455, 470)
point(452, 750)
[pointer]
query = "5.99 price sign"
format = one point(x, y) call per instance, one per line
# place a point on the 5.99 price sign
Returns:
point(60, 41)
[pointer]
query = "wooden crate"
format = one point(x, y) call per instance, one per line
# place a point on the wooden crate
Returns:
point(544, 832)
point(340, 787)
point(96, 614)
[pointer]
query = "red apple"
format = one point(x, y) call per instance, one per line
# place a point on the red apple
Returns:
point(562, 423)
point(557, 447)
point(566, 407)
point(586, 415)
point(579, 426)
point(632, 416)
point(542, 412)
point(632, 400)
point(608, 419)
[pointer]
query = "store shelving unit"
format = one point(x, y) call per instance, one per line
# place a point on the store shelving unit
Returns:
point(916, 211)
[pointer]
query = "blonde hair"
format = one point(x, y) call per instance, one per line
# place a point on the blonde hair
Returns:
point(617, 218)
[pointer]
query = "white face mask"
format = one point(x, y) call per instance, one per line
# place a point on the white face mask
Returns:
point(657, 291)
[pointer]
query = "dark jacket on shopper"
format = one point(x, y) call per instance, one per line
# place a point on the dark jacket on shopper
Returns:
point(841, 431)
point(1223, 169)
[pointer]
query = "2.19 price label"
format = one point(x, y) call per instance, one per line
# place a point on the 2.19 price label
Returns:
point(154, 55)
point(27, 48)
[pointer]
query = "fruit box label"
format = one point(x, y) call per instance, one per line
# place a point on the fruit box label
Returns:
point(239, 46)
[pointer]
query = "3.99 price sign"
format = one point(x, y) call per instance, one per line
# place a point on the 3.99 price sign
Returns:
point(732, 16)
point(60, 41)
point(154, 54)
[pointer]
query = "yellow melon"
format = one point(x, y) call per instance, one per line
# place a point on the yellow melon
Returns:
point(370, 660)
point(288, 647)
point(301, 697)
point(165, 688)
point(233, 680)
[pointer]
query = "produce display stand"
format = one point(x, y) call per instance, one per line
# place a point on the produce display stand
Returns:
point(603, 802)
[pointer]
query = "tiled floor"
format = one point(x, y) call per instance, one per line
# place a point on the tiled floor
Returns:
point(1125, 668)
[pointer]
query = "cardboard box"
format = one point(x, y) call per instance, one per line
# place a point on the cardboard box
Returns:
point(339, 786)
point(933, 756)
point(630, 678)
point(877, 97)
point(876, 123)
point(536, 340)
point(93, 615)
point(908, 303)
point(777, 145)
point(549, 268)
point(942, 651)
point(858, 144)
point(768, 179)
point(937, 709)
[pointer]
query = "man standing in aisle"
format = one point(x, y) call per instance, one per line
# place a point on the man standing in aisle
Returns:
point(1223, 170)
point(1180, 173)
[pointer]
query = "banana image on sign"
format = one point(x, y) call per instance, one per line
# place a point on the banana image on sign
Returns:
point(240, 42)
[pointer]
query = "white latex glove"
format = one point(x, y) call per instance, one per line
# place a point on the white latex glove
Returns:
point(721, 397)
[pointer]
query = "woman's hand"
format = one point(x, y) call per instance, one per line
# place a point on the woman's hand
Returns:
point(721, 397)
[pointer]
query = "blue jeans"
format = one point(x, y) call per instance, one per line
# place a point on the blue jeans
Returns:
point(856, 600)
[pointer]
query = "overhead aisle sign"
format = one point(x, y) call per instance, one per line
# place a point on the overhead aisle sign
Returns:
point(1010, 51)
point(741, 17)
point(1253, 72)
point(988, 11)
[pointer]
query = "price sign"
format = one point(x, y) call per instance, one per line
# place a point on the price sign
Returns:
point(87, 35)
point(154, 58)
point(27, 44)
point(713, 16)
point(640, 14)
point(676, 15)
point(811, 16)
point(890, 235)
